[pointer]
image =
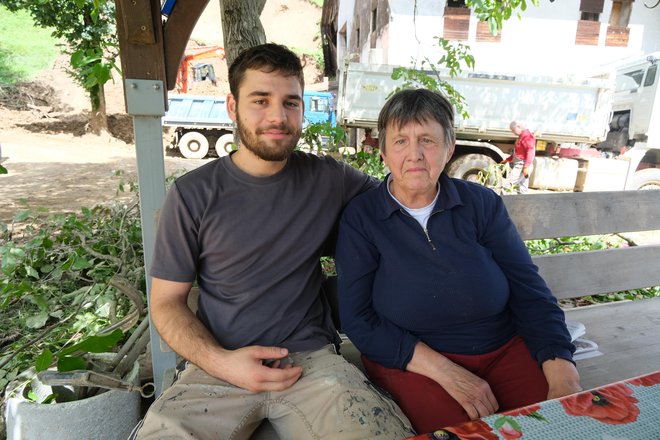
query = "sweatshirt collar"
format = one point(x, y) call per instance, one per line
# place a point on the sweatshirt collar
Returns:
point(447, 199)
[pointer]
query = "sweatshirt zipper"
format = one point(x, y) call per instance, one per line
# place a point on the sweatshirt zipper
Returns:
point(426, 232)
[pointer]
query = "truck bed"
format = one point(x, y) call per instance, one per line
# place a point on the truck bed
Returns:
point(197, 111)
point(557, 109)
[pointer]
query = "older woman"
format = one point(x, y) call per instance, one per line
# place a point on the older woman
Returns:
point(436, 288)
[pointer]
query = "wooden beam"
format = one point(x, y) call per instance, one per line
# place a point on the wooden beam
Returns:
point(578, 274)
point(177, 31)
point(141, 40)
point(588, 213)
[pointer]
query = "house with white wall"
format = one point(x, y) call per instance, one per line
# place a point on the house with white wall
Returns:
point(554, 38)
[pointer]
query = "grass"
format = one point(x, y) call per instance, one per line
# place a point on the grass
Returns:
point(25, 49)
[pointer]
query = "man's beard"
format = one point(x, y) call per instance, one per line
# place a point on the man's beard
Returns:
point(274, 151)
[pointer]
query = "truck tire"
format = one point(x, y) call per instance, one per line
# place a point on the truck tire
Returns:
point(646, 179)
point(467, 167)
point(194, 145)
point(225, 144)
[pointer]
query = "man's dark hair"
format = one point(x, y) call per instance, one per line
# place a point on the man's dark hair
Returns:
point(269, 58)
point(416, 105)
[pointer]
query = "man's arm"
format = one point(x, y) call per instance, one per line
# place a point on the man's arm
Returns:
point(188, 336)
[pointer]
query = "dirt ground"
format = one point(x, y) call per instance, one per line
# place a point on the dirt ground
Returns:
point(56, 164)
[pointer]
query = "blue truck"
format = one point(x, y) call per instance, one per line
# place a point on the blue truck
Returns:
point(202, 122)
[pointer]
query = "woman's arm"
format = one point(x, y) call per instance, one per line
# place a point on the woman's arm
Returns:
point(470, 391)
point(562, 376)
point(539, 319)
point(357, 260)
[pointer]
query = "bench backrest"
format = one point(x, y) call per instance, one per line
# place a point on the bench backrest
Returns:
point(571, 275)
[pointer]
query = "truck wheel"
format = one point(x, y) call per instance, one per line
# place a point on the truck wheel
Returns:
point(646, 179)
point(194, 145)
point(467, 167)
point(225, 144)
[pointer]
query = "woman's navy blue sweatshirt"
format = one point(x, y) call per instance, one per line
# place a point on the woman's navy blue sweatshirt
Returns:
point(464, 285)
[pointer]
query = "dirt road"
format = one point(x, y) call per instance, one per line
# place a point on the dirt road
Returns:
point(63, 172)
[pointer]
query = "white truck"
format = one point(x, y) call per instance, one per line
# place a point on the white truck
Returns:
point(570, 117)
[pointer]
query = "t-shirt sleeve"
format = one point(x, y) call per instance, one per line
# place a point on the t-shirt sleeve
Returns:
point(176, 249)
point(355, 181)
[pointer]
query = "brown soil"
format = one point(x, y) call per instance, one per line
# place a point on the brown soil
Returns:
point(55, 163)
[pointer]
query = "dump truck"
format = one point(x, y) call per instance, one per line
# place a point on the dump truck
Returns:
point(570, 116)
point(200, 122)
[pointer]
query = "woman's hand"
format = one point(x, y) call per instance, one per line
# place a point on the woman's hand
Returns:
point(562, 376)
point(470, 391)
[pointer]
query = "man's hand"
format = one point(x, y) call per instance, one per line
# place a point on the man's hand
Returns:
point(245, 368)
point(507, 160)
point(525, 171)
point(562, 376)
point(470, 391)
point(186, 334)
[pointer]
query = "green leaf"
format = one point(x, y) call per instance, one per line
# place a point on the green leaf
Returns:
point(81, 263)
point(70, 363)
point(31, 272)
point(51, 398)
point(39, 301)
point(3, 170)
point(37, 321)
point(96, 344)
point(22, 216)
point(44, 360)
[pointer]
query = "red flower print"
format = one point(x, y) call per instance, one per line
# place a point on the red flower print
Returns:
point(509, 431)
point(473, 430)
point(646, 381)
point(613, 405)
point(524, 411)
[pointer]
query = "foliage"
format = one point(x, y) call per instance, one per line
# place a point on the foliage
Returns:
point(494, 177)
point(88, 27)
point(25, 49)
point(321, 136)
point(496, 12)
point(367, 162)
point(455, 55)
point(57, 293)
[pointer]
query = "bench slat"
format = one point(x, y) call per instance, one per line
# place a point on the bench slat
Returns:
point(628, 335)
point(589, 213)
point(589, 273)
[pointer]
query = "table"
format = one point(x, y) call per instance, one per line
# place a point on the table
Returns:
point(624, 410)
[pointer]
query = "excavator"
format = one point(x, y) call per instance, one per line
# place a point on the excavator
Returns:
point(201, 71)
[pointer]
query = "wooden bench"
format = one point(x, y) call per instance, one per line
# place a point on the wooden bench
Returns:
point(627, 332)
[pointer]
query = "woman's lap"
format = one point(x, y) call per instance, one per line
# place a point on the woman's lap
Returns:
point(513, 375)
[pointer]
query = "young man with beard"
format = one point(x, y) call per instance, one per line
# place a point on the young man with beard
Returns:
point(250, 228)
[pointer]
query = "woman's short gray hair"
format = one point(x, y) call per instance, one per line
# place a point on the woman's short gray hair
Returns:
point(416, 105)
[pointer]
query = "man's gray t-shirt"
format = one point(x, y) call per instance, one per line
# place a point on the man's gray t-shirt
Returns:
point(253, 244)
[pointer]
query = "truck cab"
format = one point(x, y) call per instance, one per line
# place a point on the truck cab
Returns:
point(635, 124)
point(319, 107)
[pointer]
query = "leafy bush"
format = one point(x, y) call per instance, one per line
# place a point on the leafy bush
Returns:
point(67, 277)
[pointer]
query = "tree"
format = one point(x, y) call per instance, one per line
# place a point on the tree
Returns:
point(88, 27)
point(241, 26)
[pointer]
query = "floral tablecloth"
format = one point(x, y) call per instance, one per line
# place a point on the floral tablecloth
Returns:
point(624, 410)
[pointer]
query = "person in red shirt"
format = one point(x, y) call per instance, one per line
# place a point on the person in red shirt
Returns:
point(522, 160)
